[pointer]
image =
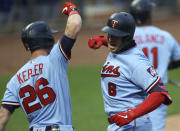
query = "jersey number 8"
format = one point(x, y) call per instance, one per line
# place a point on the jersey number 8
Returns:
point(112, 89)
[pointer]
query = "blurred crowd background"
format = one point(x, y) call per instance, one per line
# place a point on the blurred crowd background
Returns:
point(15, 14)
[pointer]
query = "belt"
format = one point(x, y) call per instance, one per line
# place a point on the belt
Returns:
point(48, 128)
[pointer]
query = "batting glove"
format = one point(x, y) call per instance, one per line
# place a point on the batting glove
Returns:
point(69, 9)
point(123, 118)
point(97, 42)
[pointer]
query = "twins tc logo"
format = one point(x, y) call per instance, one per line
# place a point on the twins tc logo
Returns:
point(114, 23)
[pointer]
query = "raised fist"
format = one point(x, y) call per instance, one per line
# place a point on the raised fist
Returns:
point(69, 8)
point(97, 42)
point(123, 118)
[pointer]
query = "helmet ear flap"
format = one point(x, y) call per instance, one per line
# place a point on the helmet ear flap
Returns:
point(26, 46)
point(24, 38)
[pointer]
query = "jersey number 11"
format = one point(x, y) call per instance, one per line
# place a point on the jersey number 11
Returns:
point(154, 51)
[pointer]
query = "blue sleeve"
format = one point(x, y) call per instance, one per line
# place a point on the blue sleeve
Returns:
point(10, 108)
point(10, 101)
point(62, 49)
point(175, 52)
point(159, 87)
point(10, 96)
point(66, 45)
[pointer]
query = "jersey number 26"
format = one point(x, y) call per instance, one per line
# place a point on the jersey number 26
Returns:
point(37, 92)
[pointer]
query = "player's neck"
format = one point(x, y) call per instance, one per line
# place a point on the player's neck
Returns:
point(147, 23)
point(39, 52)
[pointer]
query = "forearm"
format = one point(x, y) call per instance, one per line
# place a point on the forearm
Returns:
point(153, 101)
point(158, 95)
point(73, 26)
point(4, 117)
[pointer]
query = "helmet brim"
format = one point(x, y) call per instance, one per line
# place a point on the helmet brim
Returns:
point(114, 32)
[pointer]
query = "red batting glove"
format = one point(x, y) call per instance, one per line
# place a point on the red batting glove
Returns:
point(123, 118)
point(97, 42)
point(69, 9)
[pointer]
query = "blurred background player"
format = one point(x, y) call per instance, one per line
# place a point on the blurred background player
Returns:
point(130, 86)
point(159, 46)
point(41, 86)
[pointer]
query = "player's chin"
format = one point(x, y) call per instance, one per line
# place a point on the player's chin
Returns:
point(113, 49)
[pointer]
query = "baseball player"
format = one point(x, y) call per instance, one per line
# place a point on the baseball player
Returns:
point(131, 87)
point(41, 86)
point(159, 46)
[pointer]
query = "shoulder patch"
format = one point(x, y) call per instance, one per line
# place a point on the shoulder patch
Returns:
point(152, 71)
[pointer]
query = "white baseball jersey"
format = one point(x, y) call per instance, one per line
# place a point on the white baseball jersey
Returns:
point(41, 88)
point(125, 80)
point(159, 46)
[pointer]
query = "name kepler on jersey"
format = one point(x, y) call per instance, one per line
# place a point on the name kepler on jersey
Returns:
point(110, 71)
point(27, 74)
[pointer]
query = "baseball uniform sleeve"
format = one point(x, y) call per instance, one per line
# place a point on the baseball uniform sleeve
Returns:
point(10, 98)
point(175, 50)
point(145, 76)
point(66, 45)
point(62, 49)
point(56, 56)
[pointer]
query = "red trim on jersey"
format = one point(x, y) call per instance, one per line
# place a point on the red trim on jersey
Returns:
point(110, 75)
point(153, 85)
point(64, 53)
point(10, 104)
point(159, 87)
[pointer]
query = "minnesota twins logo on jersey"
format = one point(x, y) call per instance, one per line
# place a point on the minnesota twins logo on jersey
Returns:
point(109, 70)
point(152, 71)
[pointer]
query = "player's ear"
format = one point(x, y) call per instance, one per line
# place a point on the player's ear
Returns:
point(26, 46)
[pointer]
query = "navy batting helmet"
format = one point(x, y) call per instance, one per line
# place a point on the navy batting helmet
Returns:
point(37, 35)
point(141, 10)
point(121, 25)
